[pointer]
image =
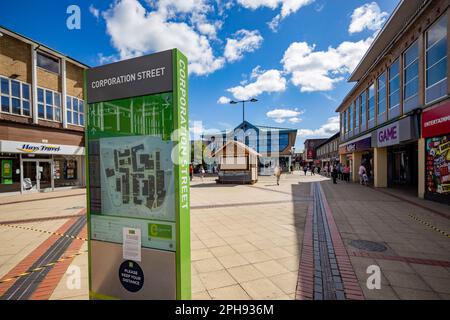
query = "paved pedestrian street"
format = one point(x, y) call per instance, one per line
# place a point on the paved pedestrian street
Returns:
point(305, 239)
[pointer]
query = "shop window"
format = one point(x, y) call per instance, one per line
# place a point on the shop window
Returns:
point(75, 111)
point(49, 105)
point(15, 97)
point(9, 172)
point(47, 62)
point(411, 76)
point(65, 170)
point(436, 61)
point(394, 89)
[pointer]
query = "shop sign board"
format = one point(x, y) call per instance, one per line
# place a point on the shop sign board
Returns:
point(360, 145)
point(39, 148)
point(436, 121)
point(388, 135)
point(138, 153)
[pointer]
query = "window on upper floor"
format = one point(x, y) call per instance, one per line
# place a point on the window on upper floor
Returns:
point(362, 103)
point(411, 78)
point(47, 62)
point(436, 60)
point(371, 102)
point(394, 84)
point(284, 141)
point(75, 111)
point(344, 119)
point(49, 104)
point(381, 94)
point(15, 97)
point(356, 108)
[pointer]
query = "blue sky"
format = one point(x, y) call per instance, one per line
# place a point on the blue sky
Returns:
point(294, 56)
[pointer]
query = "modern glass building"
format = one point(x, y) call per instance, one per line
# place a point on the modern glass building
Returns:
point(275, 145)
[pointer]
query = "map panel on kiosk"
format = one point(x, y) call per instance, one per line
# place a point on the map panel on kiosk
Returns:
point(137, 175)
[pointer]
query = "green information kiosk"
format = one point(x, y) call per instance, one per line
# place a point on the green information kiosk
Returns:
point(138, 149)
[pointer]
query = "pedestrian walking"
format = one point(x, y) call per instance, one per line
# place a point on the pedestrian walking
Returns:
point(191, 171)
point(312, 170)
point(318, 170)
point(334, 174)
point(347, 173)
point(292, 168)
point(363, 178)
point(202, 172)
point(278, 174)
point(305, 169)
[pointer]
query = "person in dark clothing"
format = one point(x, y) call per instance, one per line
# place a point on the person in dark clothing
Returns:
point(305, 169)
point(334, 174)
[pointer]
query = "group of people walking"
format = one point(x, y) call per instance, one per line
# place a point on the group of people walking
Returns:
point(343, 172)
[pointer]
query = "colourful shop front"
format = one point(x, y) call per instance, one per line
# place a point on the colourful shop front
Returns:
point(436, 132)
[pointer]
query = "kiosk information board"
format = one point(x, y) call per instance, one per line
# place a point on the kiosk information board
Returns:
point(138, 151)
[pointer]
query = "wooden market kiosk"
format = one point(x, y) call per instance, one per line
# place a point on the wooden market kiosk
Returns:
point(238, 163)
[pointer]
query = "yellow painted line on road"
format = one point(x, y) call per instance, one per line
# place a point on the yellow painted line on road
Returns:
point(62, 235)
point(429, 225)
point(51, 264)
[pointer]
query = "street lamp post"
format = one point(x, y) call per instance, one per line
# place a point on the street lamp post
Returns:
point(243, 105)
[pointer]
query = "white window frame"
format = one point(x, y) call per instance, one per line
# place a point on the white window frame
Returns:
point(53, 105)
point(21, 98)
point(70, 109)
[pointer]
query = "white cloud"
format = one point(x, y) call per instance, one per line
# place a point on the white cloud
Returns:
point(265, 81)
point(94, 11)
point(313, 70)
point(368, 16)
point(281, 115)
point(287, 7)
point(223, 100)
point(244, 41)
point(326, 130)
point(135, 31)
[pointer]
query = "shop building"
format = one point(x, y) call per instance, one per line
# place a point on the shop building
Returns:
point(328, 151)
point(41, 117)
point(309, 152)
point(402, 76)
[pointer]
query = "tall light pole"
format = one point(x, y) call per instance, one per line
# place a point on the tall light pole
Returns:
point(243, 105)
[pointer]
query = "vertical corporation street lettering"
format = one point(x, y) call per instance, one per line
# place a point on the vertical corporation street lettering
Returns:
point(184, 147)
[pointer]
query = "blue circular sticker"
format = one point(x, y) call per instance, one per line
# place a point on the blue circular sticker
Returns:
point(131, 276)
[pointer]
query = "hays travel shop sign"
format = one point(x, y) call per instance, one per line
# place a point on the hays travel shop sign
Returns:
point(29, 148)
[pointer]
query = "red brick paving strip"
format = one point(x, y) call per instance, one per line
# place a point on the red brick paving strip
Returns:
point(352, 288)
point(305, 284)
point(50, 282)
point(29, 260)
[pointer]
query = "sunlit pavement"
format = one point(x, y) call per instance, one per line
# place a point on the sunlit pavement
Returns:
point(293, 241)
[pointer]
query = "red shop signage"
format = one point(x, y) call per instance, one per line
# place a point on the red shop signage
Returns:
point(436, 122)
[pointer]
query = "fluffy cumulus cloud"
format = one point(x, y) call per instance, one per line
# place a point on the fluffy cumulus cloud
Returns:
point(281, 115)
point(288, 7)
point(368, 16)
point(243, 41)
point(326, 130)
point(134, 31)
point(223, 100)
point(263, 82)
point(312, 70)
